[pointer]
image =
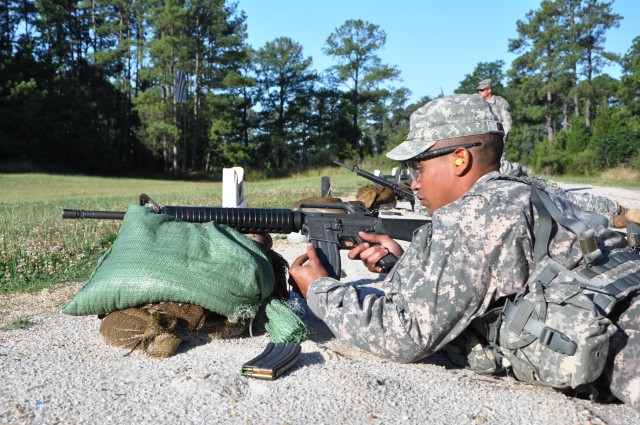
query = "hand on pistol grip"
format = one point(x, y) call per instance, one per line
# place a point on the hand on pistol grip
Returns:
point(384, 265)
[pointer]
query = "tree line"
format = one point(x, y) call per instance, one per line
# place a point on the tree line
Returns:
point(172, 86)
point(569, 116)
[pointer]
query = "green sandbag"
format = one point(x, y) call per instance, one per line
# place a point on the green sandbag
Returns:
point(159, 258)
point(282, 323)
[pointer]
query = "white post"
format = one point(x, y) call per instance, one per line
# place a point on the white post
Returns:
point(376, 173)
point(232, 194)
point(394, 171)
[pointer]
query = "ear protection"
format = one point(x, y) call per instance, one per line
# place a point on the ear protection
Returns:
point(458, 162)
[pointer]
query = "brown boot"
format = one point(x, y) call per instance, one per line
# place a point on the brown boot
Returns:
point(620, 219)
point(632, 214)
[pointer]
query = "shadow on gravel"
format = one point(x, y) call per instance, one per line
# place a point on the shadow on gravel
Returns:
point(443, 359)
point(196, 342)
point(310, 359)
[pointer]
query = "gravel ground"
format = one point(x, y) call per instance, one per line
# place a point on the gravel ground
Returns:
point(57, 369)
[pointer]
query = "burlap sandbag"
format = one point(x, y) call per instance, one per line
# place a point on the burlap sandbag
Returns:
point(373, 196)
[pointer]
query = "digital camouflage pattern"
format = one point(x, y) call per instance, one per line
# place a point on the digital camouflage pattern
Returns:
point(599, 204)
point(499, 105)
point(502, 109)
point(623, 363)
point(512, 169)
point(485, 84)
point(446, 118)
point(606, 207)
point(477, 250)
point(563, 307)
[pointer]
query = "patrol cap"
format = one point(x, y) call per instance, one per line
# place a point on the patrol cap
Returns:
point(484, 84)
point(445, 118)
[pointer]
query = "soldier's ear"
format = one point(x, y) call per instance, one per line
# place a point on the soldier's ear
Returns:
point(461, 161)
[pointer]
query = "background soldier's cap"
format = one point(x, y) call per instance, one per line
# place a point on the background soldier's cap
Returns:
point(484, 84)
point(445, 118)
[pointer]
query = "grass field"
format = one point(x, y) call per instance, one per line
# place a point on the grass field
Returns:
point(39, 249)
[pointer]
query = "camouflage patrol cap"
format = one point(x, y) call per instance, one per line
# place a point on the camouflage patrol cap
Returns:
point(445, 118)
point(484, 84)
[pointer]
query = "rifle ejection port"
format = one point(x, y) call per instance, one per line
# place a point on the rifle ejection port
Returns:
point(297, 237)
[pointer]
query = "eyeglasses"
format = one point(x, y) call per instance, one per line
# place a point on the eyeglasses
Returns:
point(414, 167)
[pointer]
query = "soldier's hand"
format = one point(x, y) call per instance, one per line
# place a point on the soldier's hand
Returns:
point(304, 274)
point(372, 251)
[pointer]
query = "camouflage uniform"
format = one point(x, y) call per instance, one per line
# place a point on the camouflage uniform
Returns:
point(477, 250)
point(623, 363)
point(599, 204)
point(603, 206)
point(503, 111)
point(499, 105)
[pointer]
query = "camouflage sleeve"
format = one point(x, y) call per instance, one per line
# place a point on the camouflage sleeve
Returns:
point(586, 201)
point(505, 114)
point(474, 253)
point(623, 362)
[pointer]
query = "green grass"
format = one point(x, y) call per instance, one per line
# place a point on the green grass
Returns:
point(623, 183)
point(622, 176)
point(21, 323)
point(39, 249)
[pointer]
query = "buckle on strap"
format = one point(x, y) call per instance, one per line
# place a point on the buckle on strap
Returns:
point(557, 341)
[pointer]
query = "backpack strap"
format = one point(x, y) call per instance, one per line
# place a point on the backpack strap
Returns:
point(542, 232)
point(523, 317)
point(588, 245)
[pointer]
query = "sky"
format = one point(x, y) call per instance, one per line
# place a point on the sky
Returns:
point(434, 43)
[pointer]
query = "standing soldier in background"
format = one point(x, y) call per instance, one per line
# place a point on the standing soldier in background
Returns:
point(502, 109)
point(617, 215)
point(499, 105)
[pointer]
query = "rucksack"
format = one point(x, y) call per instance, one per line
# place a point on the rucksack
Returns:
point(556, 330)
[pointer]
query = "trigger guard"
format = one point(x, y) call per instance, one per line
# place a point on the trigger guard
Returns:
point(356, 240)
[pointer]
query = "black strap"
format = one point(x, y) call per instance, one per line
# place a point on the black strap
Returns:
point(542, 232)
point(606, 296)
point(576, 226)
point(542, 201)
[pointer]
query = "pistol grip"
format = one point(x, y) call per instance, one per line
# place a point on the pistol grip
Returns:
point(386, 263)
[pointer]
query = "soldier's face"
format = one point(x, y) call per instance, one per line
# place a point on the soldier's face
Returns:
point(432, 181)
point(485, 92)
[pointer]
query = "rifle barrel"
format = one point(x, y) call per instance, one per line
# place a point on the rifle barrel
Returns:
point(245, 220)
point(401, 190)
point(102, 215)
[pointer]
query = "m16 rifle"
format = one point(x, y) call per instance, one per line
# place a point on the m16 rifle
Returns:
point(328, 232)
point(401, 190)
